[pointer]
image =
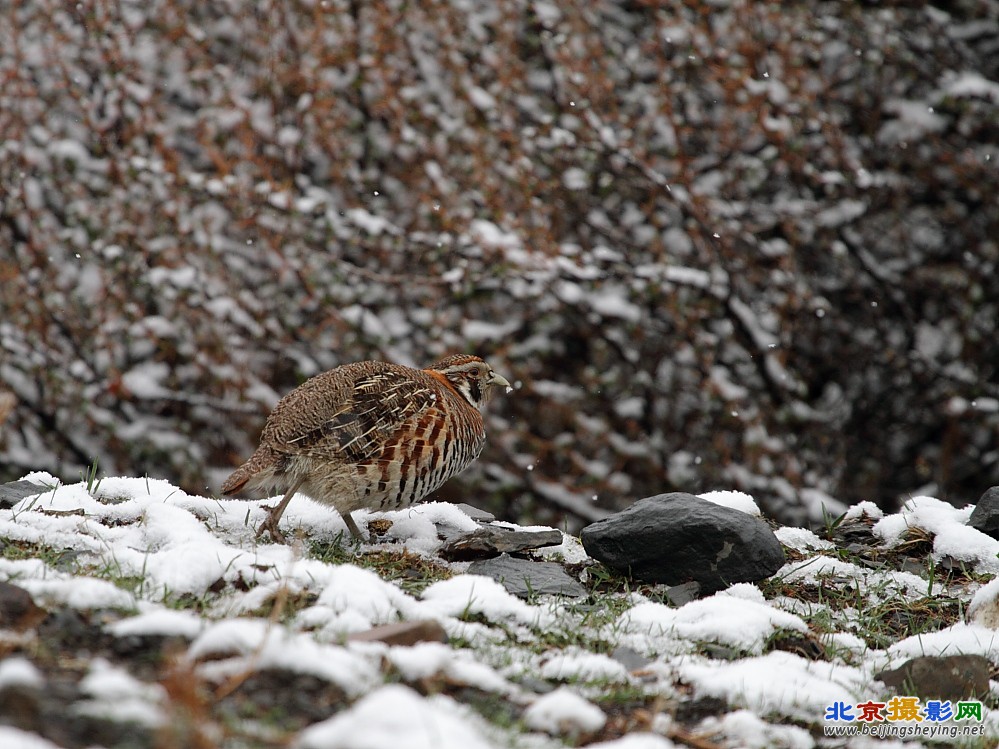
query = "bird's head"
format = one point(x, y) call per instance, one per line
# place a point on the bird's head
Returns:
point(471, 377)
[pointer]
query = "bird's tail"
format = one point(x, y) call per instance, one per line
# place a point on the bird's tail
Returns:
point(237, 480)
point(242, 477)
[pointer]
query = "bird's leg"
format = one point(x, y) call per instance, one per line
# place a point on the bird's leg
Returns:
point(352, 527)
point(274, 515)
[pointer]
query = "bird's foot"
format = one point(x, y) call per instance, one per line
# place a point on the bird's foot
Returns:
point(270, 525)
point(355, 532)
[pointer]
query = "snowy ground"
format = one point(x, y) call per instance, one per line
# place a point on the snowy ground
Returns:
point(266, 625)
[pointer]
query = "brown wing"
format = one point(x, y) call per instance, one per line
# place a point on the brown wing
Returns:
point(358, 426)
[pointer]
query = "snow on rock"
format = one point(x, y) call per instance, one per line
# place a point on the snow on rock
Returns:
point(564, 712)
point(734, 499)
point(378, 720)
point(963, 639)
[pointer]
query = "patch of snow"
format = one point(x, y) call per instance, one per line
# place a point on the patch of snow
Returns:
point(778, 682)
point(972, 84)
point(570, 551)
point(862, 510)
point(19, 673)
point(914, 120)
point(746, 730)
point(635, 741)
point(474, 594)
point(78, 592)
point(564, 712)
point(354, 599)
point(488, 234)
point(960, 638)
point(822, 569)
point(984, 606)
point(257, 644)
point(952, 537)
point(580, 666)
point(116, 695)
point(575, 178)
point(368, 222)
point(428, 659)
point(159, 622)
point(379, 719)
point(738, 617)
point(802, 539)
point(484, 330)
point(15, 738)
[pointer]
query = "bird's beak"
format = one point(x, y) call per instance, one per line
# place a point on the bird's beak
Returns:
point(498, 380)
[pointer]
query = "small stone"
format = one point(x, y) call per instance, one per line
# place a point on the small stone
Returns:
point(403, 633)
point(18, 609)
point(480, 516)
point(678, 595)
point(13, 492)
point(679, 538)
point(525, 577)
point(948, 677)
point(491, 541)
point(630, 659)
point(985, 516)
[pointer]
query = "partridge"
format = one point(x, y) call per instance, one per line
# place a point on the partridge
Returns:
point(370, 435)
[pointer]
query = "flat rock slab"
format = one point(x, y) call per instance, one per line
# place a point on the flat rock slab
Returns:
point(14, 491)
point(947, 677)
point(525, 577)
point(491, 541)
point(678, 538)
point(403, 633)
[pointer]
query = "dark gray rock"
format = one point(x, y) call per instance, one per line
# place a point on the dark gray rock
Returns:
point(985, 516)
point(525, 577)
point(491, 540)
point(678, 538)
point(14, 491)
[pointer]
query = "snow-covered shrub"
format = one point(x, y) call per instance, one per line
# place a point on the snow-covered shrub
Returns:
point(734, 245)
